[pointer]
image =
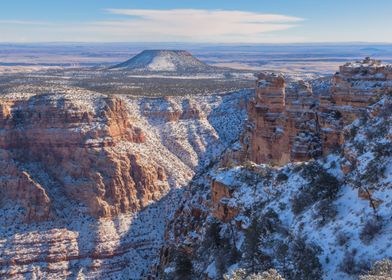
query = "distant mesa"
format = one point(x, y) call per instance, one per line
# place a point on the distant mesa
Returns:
point(164, 61)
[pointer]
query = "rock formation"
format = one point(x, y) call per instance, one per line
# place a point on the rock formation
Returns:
point(220, 199)
point(297, 218)
point(76, 146)
point(283, 122)
point(87, 181)
point(290, 121)
point(164, 61)
point(17, 186)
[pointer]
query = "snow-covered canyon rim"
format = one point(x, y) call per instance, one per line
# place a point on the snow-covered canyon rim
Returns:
point(315, 205)
point(73, 152)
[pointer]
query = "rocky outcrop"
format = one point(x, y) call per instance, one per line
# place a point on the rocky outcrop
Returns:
point(41, 121)
point(292, 121)
point(87, 181)
point(77, 145)
point(220, 199)
point(357, 84)
point(17, 186)
point(283, 122)
point(168, 109)
point(276, 203)
point(86, 248)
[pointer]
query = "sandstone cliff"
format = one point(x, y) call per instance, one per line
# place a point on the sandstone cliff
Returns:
point(76, 146)
point(88, 181)
point(320, 218)
point(292, 121)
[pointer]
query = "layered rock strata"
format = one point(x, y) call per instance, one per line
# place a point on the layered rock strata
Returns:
point(88, 181)
point(283, 121)
point(292, 121)
point(75, 145)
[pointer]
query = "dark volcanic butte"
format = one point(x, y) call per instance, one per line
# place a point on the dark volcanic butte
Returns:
point(164, 61)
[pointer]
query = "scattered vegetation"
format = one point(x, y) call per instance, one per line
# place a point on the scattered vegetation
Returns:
point(371, 228)
point(374, 171)
point(256, 259)
point(350, 266)
point(212, 236)
point(351, 133)
point(342, 238)
point(222, 248)
point(382, 150)
point(337, 115)
point(183, 266)
point(282, 177)
point(305, 259)
point(326, 211)
point(321, 186)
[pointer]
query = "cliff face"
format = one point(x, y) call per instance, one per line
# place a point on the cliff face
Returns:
point(220, 197)
point(318, 219)
point(359, 83)
point(76, 147)
point(292, 121)
point(88, 181)
point(283, 121)
point(17, 186)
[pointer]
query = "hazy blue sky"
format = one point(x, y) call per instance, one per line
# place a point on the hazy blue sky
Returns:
point(239, 21)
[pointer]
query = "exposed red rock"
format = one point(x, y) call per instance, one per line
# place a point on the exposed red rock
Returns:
point(358, 84)
point(221, 208)
point(167, 109)
point(77, 147)
point(289, 122)
point(284, 122)
point(19, 187)
point(76, 153)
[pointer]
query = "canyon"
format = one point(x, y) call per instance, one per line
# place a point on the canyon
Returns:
point(112, 186)
point(88, 180)
point(277, 204)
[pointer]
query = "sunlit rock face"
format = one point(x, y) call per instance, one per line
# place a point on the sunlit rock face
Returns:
point(220, 196)
point(357, 85)
point(283, 121)
point(76, 145)
point(292, 121)
point(88, 181)
point(237, 201)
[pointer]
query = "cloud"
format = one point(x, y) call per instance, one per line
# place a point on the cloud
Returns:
point(202, 25)
point(178, 25)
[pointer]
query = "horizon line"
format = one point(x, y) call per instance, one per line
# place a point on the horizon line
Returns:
point(200, 43)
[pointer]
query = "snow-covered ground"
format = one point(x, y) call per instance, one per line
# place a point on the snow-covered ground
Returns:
point(344, 230)
point(127, 246)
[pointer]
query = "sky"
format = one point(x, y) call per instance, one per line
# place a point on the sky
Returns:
point(196, 21)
